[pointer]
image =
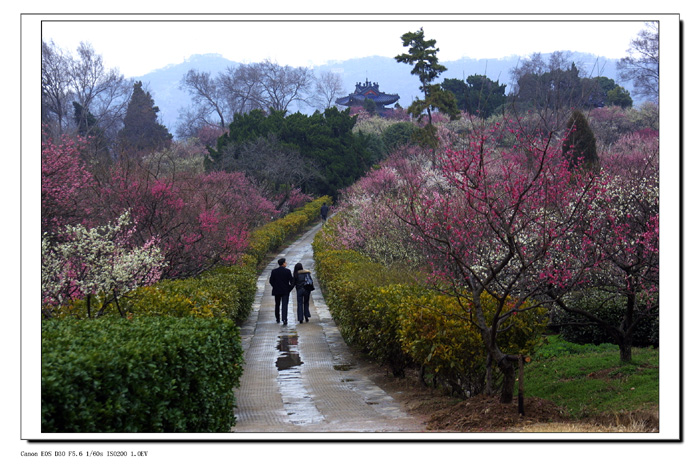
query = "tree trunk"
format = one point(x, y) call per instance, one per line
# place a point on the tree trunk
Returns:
point(625, 341)
point(508, 370)
point(625, 350)
point(489, 376)
point(521, 386)
point(116, 301)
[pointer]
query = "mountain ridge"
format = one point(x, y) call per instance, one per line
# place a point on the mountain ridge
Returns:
point(393, 77)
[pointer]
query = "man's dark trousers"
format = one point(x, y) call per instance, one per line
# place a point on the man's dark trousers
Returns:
point(284, 301)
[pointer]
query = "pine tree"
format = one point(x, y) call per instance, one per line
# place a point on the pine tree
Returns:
point(423, 56)
point(579, 146)
point(142, 133)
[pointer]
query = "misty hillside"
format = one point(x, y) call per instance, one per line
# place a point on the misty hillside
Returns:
point(393, 77)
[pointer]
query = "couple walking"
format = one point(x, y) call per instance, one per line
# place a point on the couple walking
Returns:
point(283, 281)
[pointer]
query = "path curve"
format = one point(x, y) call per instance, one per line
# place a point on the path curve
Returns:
point(302, 377)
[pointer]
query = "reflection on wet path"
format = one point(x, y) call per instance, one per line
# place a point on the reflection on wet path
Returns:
point(296, 399)
point(289, 356)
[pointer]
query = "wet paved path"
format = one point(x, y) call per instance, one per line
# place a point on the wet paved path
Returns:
point(302, 377)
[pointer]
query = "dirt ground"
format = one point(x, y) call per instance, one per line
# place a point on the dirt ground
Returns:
point(483, 414)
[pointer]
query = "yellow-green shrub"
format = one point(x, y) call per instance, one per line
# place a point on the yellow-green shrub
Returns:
point(523, 330)
point(437, 333)
point(171, 298)
point(223, 292)
point(363, 298)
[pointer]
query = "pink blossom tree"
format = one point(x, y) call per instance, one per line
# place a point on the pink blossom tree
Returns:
point(615, 250)
point(505, 218)
point(489, 220)
point(201, 220)
point(65, 184)
point(367, 222)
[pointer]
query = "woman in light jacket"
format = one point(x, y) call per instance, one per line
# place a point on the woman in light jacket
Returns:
point(303, 295)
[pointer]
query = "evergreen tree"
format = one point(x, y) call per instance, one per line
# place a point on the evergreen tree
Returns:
point(423, 56)
point(479, 95)
point(619, 96)
point(85, 121)
point(579, 146)
point(142, 133)
point(328, 148)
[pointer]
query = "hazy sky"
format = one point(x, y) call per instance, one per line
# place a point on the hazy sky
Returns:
point(137, 45)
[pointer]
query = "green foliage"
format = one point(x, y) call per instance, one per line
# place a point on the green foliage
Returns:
point(609, 308)
point(398, 135)
point(143, 375)
point(549, 87)
point(422, 54)
point(436, 332)
point(223, 292)
point(555, 346)
point(579, 145)
point(479, 95)
point(603, 91)
point(448, 347)
point(364, 297)
point(590, 380)
point(619, 96)
point(325, 139)
point(370, 106)
point(375, 147)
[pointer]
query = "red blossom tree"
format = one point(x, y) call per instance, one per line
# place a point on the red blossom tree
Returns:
point(488, 220)
point(200, 220)
point(65, 183)
point(616, 247)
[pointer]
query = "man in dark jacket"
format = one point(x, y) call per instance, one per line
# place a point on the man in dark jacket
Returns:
point(324, 212)
point(282, 283)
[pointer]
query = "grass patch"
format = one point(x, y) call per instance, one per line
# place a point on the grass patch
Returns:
point(590, 381)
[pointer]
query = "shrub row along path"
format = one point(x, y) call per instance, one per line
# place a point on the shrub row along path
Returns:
point(302, 377)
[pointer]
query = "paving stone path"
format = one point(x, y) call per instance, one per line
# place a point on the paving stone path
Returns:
point(302, 377)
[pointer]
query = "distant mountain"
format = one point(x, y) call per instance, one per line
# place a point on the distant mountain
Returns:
point(393, 77)
point(164, 84)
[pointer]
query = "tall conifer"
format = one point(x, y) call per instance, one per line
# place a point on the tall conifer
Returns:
point(579, 146)
point(142, 133)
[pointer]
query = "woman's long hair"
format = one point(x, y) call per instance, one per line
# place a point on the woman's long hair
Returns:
point(297, 267)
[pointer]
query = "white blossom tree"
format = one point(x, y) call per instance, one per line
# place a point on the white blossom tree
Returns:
point(99, 263)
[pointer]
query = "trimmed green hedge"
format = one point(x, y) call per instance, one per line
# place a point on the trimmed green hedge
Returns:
point(223, 292)
point(151, 374)
point(364, 298)
point(274, 235)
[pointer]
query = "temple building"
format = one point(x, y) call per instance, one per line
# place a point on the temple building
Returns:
point(368, 91)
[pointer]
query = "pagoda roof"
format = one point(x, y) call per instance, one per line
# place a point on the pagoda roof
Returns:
point(368, 90)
